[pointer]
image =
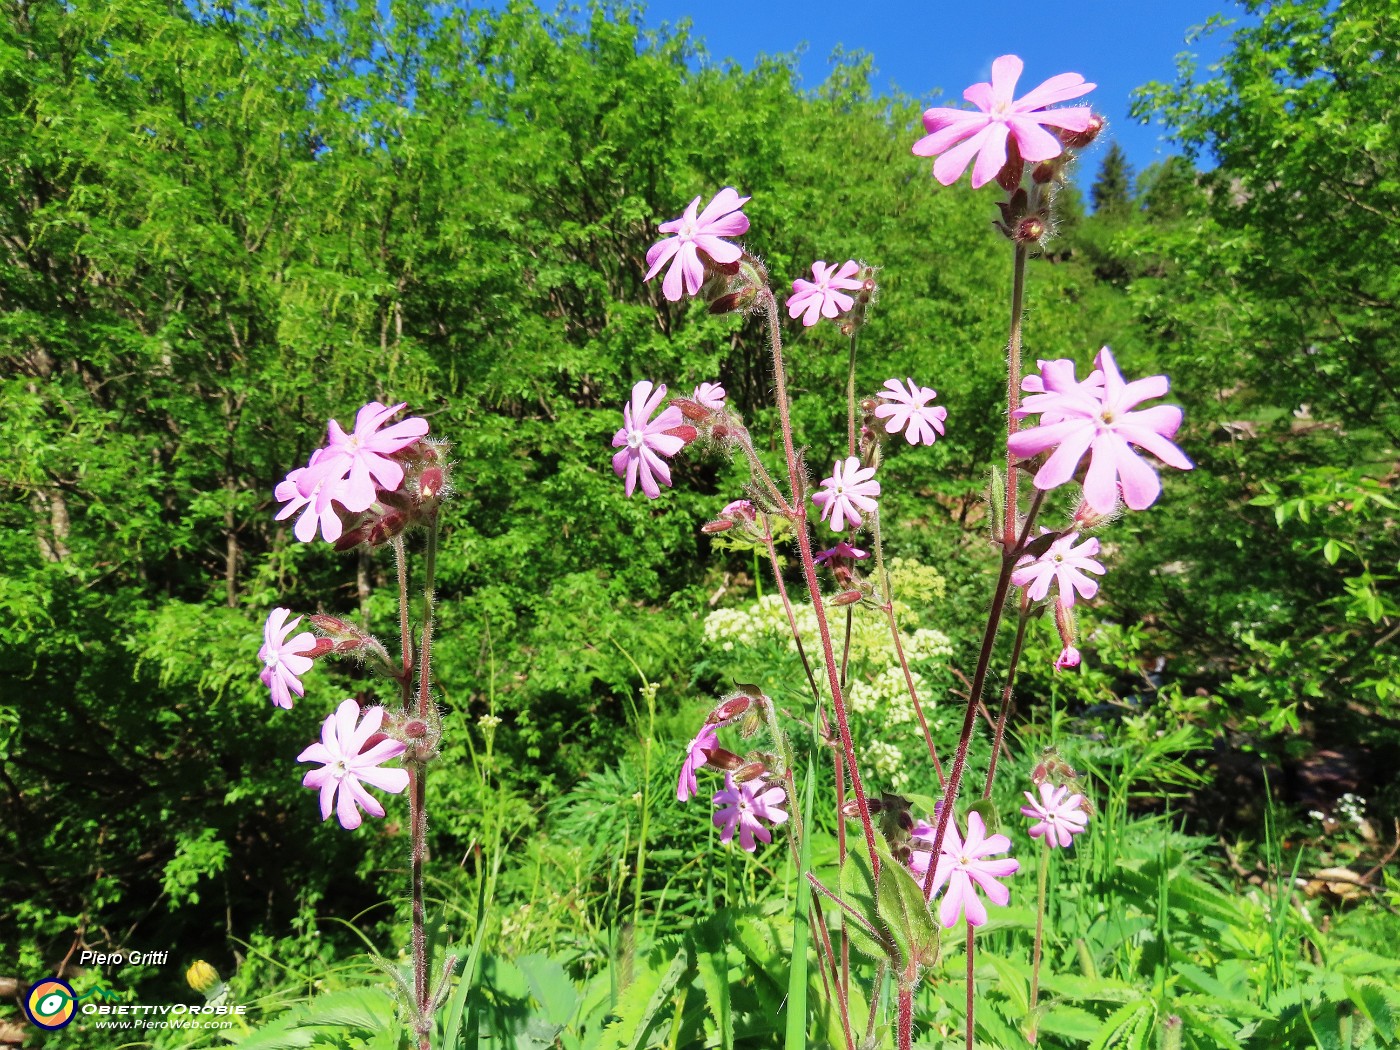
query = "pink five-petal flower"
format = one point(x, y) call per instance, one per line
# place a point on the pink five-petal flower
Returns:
point(709, 395)
point(1058, 818)
point(824, 296)
point(965, 865)
point(850, 490)
point(841, 550)
point(351, 465)
point(909, 411)
point(743, 806)
point(695, 757)
point(959, 134)
point(327, 519)
point(694, 234)
point(1053, 384)
point(739, 510)
point(346, 761)
point(1063, 564)
point(284, 661)
point(644, 440)
point(1104, 425)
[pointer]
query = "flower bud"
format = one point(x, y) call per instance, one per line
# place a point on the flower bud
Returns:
point(386, 528)
point(685, 433)
point(692, 410)
point(738, 510)
point(730, 708)
point(710, 528)
point(1045, 171)
point(430, 484)
point(324, 646)
point(1086, 517)
point(201, 976)
point(1009, 178)
point(415, 729)
point(722, 759)
point(846, 598)
point(749, 771)
point(1080, 139)
point(1030, 230)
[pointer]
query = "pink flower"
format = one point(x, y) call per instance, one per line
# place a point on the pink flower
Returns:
point(743, 806)
point(1064, 564)
point(284, 662)
point(1069, 657)
point(695, 234)
point(850, 489)
point(739, 510)
point(695, 757)
point(327, 518)
point(350, 467)
point(644, 440)
point(709, 395)
point(823, 297)
point(347, 760)
point(1052, 385)
point(964, 866)
point(1103, 424)
point(1058, 818)
point(958, 134)
point(910, 413)
point(841, 550)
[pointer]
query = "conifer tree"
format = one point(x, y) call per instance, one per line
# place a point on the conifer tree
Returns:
point(1111, 191)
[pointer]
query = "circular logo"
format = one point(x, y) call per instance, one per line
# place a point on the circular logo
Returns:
point(49, 1003)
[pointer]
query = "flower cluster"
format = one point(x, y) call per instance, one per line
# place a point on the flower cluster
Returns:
point(747, 805)
point(365, 486)
point(353, 490)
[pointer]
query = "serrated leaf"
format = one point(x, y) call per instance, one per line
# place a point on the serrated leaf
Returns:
point(1380, 1005)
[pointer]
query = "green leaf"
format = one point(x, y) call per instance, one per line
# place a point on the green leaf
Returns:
point(906, 913)
point(858, 894)
point(551, 988)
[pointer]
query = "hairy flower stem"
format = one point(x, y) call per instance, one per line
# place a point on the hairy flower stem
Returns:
point(787, 608)
point(841, 996)
point(1039, 936)
point(971, 968)
point(424, 651)
point(1010, 552)
point(1000, 731)
point(851, 397)
point(745, 442)
point(417, 795)
point(876, 988)
point(418, 825)
point(887, 606)
point(405, 641)
point(809, 572)
point(906, 1014)
point(1013, 390)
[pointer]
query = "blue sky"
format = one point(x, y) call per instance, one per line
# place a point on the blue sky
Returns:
point(922, 47)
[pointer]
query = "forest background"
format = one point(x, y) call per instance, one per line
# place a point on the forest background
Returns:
point(223, 224)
